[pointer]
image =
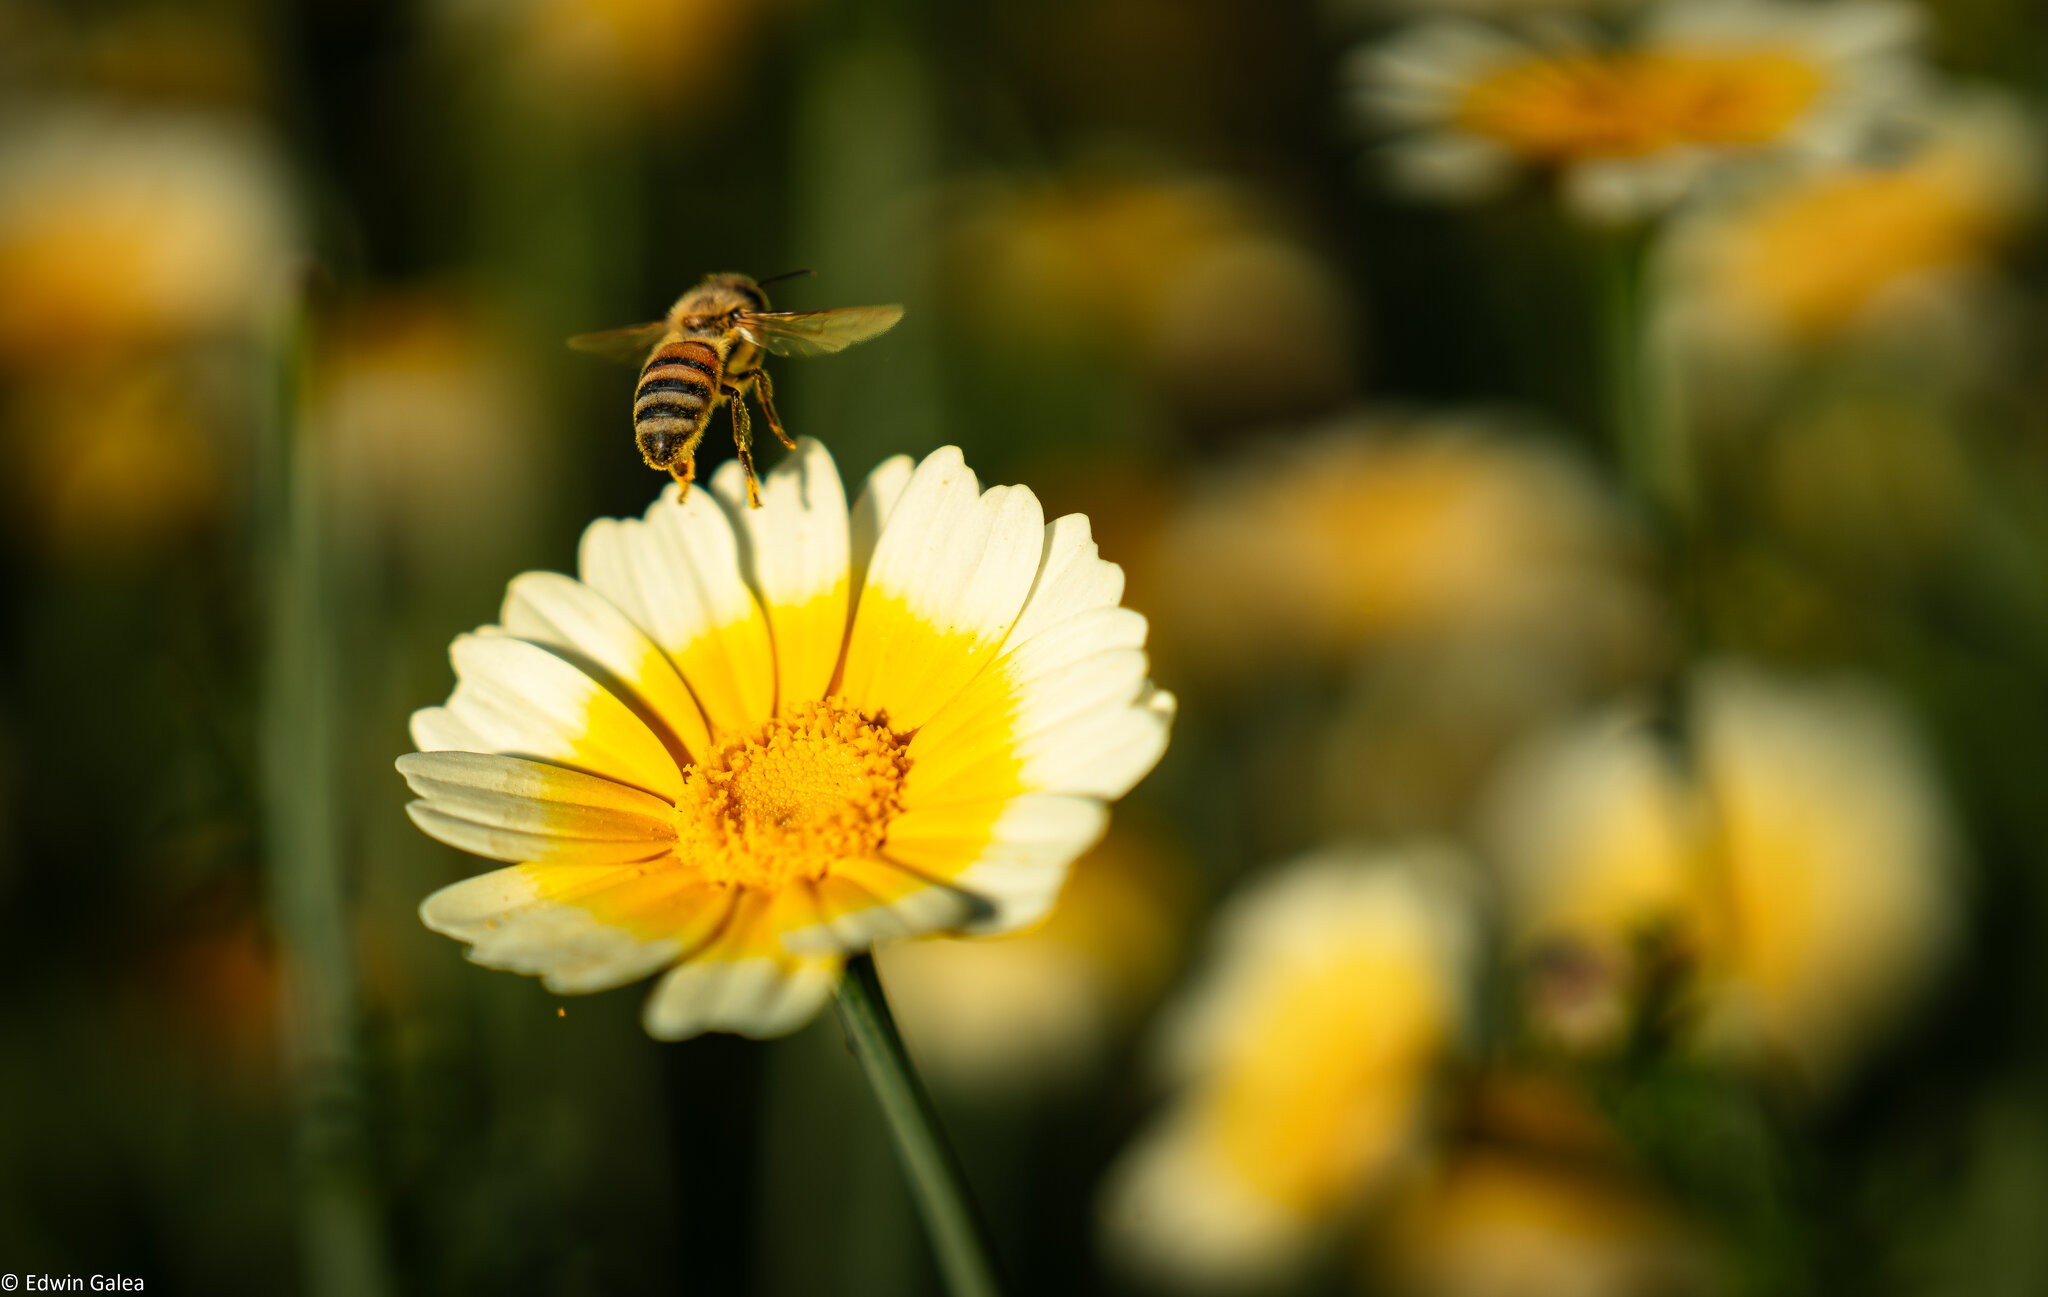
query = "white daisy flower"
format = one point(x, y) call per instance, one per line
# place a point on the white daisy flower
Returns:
point(749, 742)
point(125, 229)
point(1807, 870)
point(1832, 253)
point(1629, 126)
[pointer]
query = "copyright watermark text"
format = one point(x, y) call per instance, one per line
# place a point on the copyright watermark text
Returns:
point(70, 1283)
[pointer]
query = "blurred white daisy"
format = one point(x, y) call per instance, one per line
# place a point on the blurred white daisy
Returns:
point(1833, 251)
point(1806, 876)
point(1386, 531)
point(747, 743)
point(1630, 125)
point(125, 229)
point(1304, 1059)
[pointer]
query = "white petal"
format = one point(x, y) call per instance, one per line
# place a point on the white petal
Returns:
point(576, 622)
point(742, 983)
point(517, 699)
point(1018, 863)
point(1102, 753)
point(1071, 711)
point(865, 910)
point(878, 497)
point(1072, 579)
point(513, 922)
point(794, 552)
point(677, 575)
point(759, 998)
point(948, 580)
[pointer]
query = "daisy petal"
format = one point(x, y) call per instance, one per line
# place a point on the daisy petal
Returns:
point(508, 842)
point(573, 621)
point(794, 552)
point(949, 577)
point(862, 902)
point(1070, 711)
point(878, 497)
point(677, 574)
point(742, 982)
point(518, 699)
point(1072, 579)
point(1015, 853)
point(580, 928)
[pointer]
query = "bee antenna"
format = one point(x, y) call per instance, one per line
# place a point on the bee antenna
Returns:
point(787, 274)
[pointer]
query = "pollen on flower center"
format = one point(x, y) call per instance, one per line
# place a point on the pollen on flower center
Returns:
point(808, 788)
point(1625, 105)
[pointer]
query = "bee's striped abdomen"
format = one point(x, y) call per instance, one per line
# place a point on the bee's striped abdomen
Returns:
point(678, 385)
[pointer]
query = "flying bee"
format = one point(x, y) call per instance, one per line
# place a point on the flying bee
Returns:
point(708, 350)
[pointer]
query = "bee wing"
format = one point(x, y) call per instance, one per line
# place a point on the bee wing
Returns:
point(816, 333)
point(631, 343)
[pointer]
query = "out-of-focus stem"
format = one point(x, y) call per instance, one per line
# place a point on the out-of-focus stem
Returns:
point(1650, 447)
point(1645, 441)
point(340, 1234)
point(861, 194)
point(936, 1182)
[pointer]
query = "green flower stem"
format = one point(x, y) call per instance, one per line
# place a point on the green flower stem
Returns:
point(934, 1173)
point(340, 1234)
point(1652, 464)
point(1650, 447)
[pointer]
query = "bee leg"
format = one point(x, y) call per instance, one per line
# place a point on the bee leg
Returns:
point(766, 391)
point(684, 473)
point(743, 442)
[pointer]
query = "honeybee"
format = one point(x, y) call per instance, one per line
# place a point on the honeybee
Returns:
point(708, 350)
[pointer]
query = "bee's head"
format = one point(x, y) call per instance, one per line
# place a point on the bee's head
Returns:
point(740, 289)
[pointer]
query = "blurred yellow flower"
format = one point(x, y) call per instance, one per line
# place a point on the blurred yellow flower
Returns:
point(1836, 857)
point(1494, 1220)
point(1374, 534)
point(1181, 275)
point(1837, 248)
point(1536, 1197)
point(427, 423)
point(1304, 1059)
point(111, 458)
point(1629, 127)
point(1807, 875)
point(1043, 1006)
point(597, 56)
point(749, 742)
point(119, 230)
point(1595, 837)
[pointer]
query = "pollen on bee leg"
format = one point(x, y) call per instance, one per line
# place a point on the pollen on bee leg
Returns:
point(743, 443)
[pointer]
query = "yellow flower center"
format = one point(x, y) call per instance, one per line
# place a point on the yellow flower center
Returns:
point(783, 803)
point(1574, 107)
